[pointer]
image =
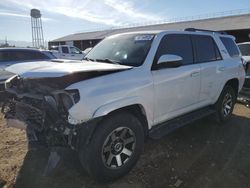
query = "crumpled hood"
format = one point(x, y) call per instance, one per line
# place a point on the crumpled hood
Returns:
point(48, 69)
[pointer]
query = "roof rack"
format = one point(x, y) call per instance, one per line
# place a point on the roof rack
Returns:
point(204, 30)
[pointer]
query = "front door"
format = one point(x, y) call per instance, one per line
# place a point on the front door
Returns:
point(176, 89)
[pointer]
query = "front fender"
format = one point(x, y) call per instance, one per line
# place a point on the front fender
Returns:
point(118, 104)
point(107, 108)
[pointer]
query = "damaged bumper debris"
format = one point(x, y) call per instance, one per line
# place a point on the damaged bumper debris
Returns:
point(43, 113)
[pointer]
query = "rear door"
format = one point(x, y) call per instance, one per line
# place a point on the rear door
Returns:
point(176, 89)
point(212, 67)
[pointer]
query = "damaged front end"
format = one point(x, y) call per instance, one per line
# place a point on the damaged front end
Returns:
point(41, 107)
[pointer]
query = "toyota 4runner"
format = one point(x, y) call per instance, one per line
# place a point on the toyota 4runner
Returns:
point(130, 87)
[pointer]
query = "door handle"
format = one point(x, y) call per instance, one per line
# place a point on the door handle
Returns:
point(195, 74)
point(222, 68)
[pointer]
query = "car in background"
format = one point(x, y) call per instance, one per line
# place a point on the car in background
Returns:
point(245, 51)
point(11, 56)
point(67, 52)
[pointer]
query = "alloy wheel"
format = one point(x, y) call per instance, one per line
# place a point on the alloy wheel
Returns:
point(227, 105)
point(118, 147)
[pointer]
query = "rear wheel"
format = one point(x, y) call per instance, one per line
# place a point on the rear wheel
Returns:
point(115, 147)
point(225, 104)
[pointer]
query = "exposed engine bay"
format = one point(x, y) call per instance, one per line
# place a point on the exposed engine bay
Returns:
point(41, 107)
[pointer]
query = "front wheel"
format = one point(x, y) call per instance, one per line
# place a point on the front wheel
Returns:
point(114, 148)
point(225, 104)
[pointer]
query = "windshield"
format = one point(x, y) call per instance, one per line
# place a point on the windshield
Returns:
point(245, 49)
point(130, 49)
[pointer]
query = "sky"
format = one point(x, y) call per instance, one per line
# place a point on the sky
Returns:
point(63, 17)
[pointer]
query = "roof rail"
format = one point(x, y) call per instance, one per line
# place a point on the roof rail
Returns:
point(204, 30)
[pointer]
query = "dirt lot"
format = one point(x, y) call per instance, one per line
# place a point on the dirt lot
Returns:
point(202, 154)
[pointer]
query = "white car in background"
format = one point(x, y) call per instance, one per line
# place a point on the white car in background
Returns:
point(67, 52)
point(245, 92)
point(245, 50)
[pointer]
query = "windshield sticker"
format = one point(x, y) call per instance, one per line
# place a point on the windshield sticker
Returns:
point(144, 37)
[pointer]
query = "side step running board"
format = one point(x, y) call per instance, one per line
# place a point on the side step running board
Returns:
point(171, 125)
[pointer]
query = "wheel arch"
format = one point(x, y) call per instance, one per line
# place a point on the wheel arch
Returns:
point(234, 83)
point(136, 109)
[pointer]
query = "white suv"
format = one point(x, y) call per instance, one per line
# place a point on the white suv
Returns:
point(132, 86)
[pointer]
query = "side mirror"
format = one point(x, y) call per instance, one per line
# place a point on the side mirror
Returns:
point(169, 61)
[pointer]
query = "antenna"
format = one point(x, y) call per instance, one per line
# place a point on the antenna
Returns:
point(37, 29)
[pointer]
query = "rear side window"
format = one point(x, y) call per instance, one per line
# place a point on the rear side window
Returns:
point(206, 49)
point(176, 44)
point(230, 46)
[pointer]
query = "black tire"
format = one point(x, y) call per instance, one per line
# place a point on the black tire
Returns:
point(220, 105)
point(94, 157)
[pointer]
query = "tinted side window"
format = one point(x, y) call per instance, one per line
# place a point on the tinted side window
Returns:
point(65, 50)
point(230, 46)
point(206, 49)
point(4, 56)
point(176, 44)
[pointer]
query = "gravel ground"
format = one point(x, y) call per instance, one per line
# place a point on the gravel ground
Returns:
point(202, 154)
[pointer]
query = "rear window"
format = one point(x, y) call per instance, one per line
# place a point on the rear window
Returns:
point(49, 54)
point(245, 49)
point(230, 46)
point(4, 56)
point(206, 49)
point(37, 55)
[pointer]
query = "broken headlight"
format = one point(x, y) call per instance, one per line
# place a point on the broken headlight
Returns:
point(69, 98)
